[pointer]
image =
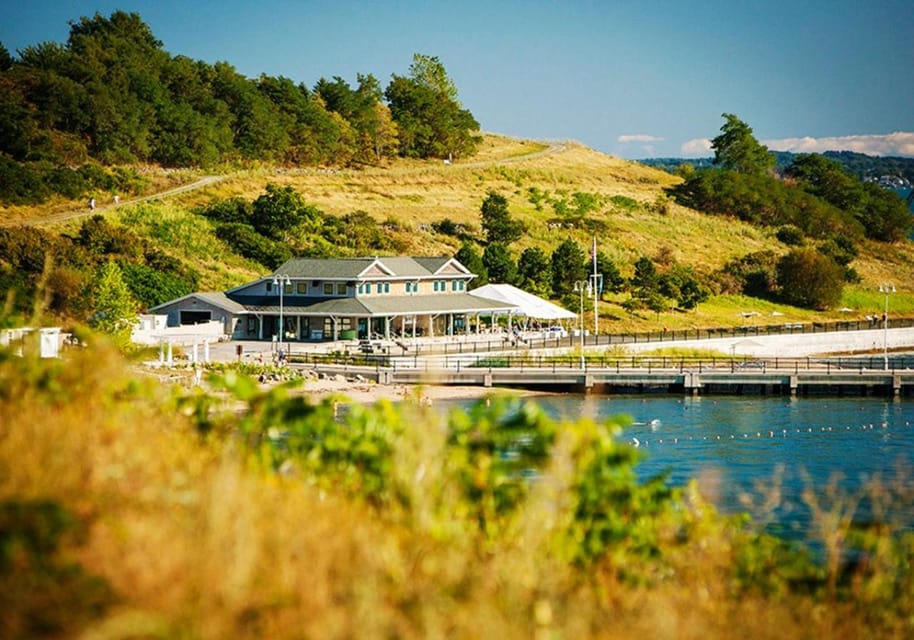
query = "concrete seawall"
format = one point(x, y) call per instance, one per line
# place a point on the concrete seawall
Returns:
point(795, 345)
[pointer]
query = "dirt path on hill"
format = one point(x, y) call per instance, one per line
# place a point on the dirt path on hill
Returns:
point(84, 211)
point(76, 213)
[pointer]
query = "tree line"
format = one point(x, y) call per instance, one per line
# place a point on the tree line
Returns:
point(820, 211)
point(112, 95)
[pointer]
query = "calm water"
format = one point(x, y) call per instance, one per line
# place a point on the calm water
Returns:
point(738, 446)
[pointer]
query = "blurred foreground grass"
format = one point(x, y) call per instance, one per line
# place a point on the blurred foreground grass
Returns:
point(132, 510)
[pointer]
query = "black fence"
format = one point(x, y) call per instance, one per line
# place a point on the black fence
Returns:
point(503, 342)
point(608, 362)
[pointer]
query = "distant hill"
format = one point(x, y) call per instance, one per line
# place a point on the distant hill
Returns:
point(860, 165)
point(892, 172)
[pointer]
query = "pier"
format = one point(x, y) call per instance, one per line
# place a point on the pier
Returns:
point(794, 377)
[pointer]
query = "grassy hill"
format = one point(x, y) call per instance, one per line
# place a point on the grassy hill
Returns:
point(408, 196)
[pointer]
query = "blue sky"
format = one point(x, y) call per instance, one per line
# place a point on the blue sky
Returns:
point(634, 79)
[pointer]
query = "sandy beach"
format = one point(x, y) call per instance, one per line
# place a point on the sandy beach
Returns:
point(369, 392)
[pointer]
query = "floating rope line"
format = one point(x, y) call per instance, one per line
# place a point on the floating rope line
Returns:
point(770, 434)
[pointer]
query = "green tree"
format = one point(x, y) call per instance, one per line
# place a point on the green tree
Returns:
point(430, 121)
point(470, 258)
point(754, 274)
point(258, 126)
point(808, 279)
point(6, 60)
point(114, 308)
point(497, 224)
point(886, 217)
point(826, 178)
point(568, 267)
point(279, 210)
point(612, 280)
point(738, 150)
point(681, 284)
point(534, 271)
point(645, 277)
point(499, 264)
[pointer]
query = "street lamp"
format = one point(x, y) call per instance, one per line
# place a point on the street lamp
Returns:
point(580, 286)
point(281, 281)
point(886, 289)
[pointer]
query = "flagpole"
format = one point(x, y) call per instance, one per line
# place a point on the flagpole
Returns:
point(596, 293)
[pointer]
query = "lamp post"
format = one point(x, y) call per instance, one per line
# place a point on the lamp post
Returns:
point(281, 281)
point(580, 286)
point(886, 289)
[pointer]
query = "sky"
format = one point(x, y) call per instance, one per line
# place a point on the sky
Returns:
point(636, 79)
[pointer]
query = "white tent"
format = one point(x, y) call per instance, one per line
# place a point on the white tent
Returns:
point(527, 304)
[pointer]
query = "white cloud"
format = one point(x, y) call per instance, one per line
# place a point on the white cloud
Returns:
point(900, 143)
point(696, 147)
point(637, 137)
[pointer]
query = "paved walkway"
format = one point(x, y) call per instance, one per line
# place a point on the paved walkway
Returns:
point(797, 345)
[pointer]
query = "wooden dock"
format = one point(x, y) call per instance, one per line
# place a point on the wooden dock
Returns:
point(708, 381)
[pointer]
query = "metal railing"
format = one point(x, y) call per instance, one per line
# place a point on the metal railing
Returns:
point(603, 362)
point(483, 344)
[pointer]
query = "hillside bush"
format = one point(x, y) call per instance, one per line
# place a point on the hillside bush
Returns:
point(806, 278)
point(246, 241)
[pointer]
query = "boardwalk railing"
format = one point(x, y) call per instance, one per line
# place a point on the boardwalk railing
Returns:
point(598, 362)
point(532, 341)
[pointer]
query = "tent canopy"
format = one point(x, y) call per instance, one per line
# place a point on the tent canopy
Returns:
point(527, 304)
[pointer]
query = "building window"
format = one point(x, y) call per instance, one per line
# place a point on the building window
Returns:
point(328, 288)
point(302, 288)
point(269, 286)
point(383, 287)
point(440, 285)
point(287, 288)
point(412, 287)
point(363, 288)
point(457, 285)
point(341, 289)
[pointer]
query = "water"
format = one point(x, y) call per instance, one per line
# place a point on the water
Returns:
point(739, 448)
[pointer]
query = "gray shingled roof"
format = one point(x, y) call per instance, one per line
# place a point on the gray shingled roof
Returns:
point(352, 268)
point(325, 268)
point(390, 305)
point(216, 298)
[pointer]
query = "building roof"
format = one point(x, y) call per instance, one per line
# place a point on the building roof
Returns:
point(386, 305)
point(356, 268)
point(216, 298)
point(528, 304)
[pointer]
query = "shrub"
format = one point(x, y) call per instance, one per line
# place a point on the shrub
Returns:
point(236, 210)
point(806, 278)
point(791, 235)
point(244, 240)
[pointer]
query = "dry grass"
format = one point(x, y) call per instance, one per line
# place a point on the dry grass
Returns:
point(197, 540)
